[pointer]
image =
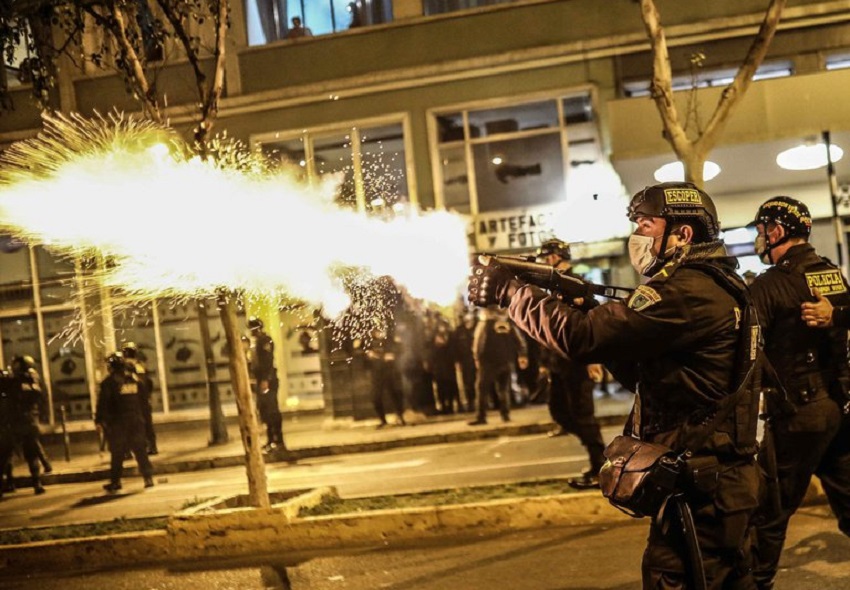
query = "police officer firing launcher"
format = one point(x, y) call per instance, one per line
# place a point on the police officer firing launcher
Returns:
point(682, 343)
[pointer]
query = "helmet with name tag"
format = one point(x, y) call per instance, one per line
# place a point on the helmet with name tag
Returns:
point(790, 213)
point(678, 202)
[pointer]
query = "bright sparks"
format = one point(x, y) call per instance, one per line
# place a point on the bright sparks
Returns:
point(173, 225)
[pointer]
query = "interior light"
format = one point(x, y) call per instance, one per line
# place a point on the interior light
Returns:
point(740, 235)
point(808, 156)
point(497, 160)
point(675, 172)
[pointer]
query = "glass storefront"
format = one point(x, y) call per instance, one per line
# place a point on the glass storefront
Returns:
point(47, 326)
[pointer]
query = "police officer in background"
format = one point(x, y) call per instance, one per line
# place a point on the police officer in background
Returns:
point(7, 431)
point(120, 413)
point(809, 436)
point(131, 355)
point(27, 396)
point(681, 344)
point(265, 372)
point(571, 391)
point(498, 348)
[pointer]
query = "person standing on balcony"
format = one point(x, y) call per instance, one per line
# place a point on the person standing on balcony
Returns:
point(298, 30)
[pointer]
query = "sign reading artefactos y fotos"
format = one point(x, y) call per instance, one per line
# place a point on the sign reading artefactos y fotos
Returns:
point(514, 229)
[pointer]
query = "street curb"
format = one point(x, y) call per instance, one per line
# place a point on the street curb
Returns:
point(277, 535)
point(295, 455)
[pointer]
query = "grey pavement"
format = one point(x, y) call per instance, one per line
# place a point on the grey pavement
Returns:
point(183, 441)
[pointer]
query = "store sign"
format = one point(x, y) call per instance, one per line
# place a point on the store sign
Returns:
point(514, 229)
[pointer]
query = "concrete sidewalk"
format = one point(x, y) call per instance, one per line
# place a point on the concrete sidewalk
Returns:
point(184, 446)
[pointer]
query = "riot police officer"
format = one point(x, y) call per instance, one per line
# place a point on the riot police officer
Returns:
point(265, 372)
point(131, 354)
point(27, 395)
point(571, 390)
point(681, 342)
point(7, 430)
point(811, 367)
point(120, 413)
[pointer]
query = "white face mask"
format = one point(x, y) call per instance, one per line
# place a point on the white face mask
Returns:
point(640, 254)
point(762, 250)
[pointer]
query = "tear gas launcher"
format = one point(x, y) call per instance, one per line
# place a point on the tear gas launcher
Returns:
point(546, 277)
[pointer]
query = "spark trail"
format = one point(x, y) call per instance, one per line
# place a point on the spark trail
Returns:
point(172, 224)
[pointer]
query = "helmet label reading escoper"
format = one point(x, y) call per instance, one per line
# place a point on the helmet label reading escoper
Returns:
point(827, 282)
point(682, 196)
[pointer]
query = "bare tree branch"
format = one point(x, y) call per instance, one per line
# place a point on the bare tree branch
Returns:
point(732, 94)
point(210, 106)
point(181, 32)
point(662, 85)
point(693, 153)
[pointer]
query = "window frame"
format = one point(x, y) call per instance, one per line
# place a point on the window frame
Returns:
point(435, 147)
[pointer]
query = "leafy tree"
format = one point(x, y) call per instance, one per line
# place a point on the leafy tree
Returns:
point(135, 38)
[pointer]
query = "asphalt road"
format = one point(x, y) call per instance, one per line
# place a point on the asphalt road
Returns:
point(574, 558)
point(412, 469)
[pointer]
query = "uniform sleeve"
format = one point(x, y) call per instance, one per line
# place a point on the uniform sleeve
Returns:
point(102, 411)
point(650, 325)
point(762, 296)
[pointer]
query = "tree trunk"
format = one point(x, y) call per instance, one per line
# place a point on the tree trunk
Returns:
point(218, 429)
point(694, 163)
point(258, 493)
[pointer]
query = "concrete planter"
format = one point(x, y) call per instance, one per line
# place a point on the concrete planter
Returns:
point(227, 530)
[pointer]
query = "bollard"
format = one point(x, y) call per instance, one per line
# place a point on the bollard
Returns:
point(66, 440)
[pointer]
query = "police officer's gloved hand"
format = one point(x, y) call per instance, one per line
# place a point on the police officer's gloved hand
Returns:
point(492, 284)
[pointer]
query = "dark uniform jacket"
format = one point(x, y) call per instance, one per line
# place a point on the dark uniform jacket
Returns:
point(442, 352)
point(674, 341)
point(497, 344)
point(27, 395)
point(120, 403)
point(811, 363)
point(262, 361)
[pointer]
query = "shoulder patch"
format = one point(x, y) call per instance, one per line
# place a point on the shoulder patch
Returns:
point(828, 282)
point(643, 297)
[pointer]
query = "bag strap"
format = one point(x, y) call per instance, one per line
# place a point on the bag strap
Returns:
point(748, 352)
point(728, 404)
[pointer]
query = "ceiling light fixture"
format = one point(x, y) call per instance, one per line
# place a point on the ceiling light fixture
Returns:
point(675, 172)
point(808, 156)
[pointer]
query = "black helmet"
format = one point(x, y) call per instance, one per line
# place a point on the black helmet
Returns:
point(255, 323)
point(677, 202)
point(22, 363)
point(116, 362)
point(790, 213)
point(555, 246)
point(130, 350)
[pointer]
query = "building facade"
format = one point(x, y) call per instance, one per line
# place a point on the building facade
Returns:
point(530, 117)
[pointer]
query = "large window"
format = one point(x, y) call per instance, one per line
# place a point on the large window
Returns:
point(512, 156)
point(369, 159)
point(271, 20)
point(709, 78)
point(525, 171)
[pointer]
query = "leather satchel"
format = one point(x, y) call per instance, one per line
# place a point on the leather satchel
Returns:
point(638, 477)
